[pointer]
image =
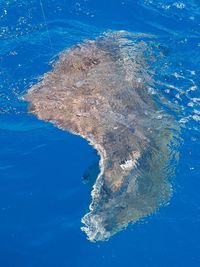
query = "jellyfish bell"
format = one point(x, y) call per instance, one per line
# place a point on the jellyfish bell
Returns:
point(98, 89)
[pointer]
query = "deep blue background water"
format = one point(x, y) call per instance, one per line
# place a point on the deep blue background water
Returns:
point(42, 194)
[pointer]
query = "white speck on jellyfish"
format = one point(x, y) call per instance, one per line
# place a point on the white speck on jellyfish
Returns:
point(151, 90)
point(159, 117)
point(139, 80)
point(80, 83)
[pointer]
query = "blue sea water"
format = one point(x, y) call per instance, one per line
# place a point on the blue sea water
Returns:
point(42, 192)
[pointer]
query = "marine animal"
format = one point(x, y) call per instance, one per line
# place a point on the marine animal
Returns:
point(100, 89)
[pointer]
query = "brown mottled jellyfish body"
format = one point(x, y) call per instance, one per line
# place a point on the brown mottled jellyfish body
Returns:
point(99, 90)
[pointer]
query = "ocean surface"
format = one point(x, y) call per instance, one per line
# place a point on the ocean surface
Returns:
point(44, 182)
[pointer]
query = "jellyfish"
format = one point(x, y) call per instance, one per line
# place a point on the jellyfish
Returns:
point(100, 89)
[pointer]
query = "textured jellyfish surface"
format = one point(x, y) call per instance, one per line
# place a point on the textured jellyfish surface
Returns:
point(99, 133)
